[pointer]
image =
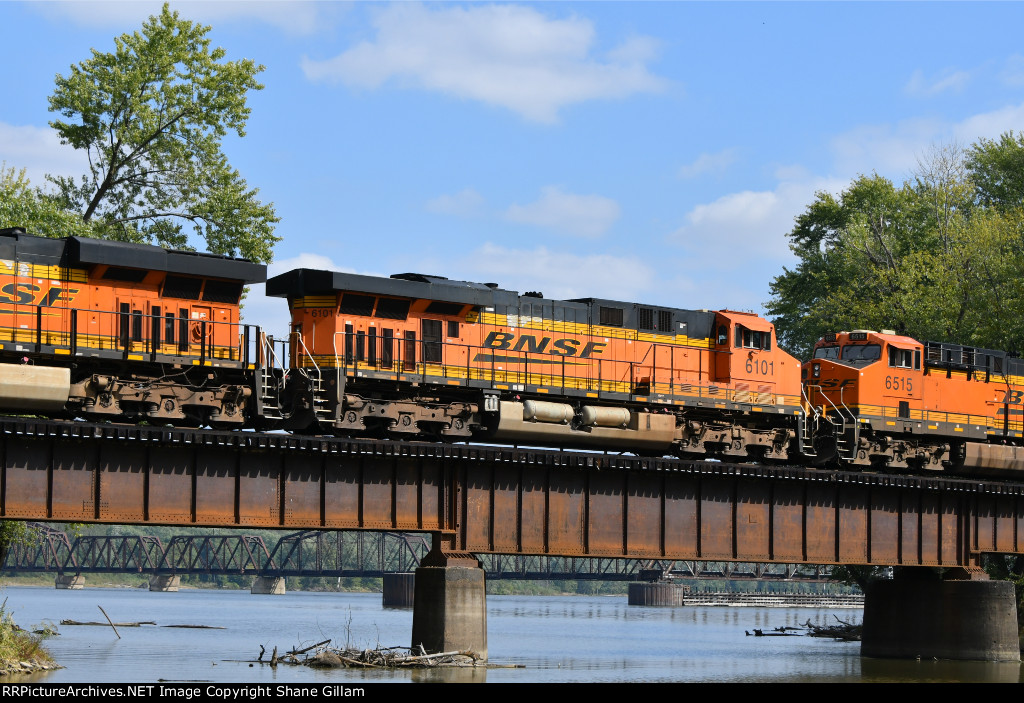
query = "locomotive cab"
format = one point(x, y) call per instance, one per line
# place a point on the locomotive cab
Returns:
point(748, 357)
point(874, 374)
point(865, 394)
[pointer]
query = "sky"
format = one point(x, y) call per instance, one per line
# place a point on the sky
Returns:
point(651, 152)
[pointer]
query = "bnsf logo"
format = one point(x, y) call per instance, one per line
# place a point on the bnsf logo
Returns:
point(1013, 397)
point(545, 345)
point(834, 384)
point(28, 294)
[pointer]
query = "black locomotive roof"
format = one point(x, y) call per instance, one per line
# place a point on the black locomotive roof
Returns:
point(81, 250)
point(17, 245)
point(302, 282)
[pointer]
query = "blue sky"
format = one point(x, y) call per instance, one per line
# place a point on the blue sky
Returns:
point(653, 152)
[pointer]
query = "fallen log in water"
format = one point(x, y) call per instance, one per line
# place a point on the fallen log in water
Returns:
point(379, 658)
point(844, 631)
point(107, 624)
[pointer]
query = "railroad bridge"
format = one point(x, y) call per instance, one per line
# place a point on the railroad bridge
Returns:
point(340, 553)
point(476, 499)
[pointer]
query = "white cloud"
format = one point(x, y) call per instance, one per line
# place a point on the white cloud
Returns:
point(38, 150)
point(948, 80)
point(465, 203)
point(746, 232)
point(893, 150)
point(305, 260)
point(989, 124)
point(295, 17)
point(709, 163)
point(506, 55)
point(579, 215)
point(560, 275)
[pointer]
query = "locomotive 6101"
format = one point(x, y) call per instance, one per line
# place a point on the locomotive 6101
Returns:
point(422, 356)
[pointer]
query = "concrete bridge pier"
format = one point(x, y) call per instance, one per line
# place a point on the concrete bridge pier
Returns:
point(268, 585)
point(663, 593)
point(70, 582)
point(918, 616)
point(399, 590)
point(450, 604)
point(164, 583)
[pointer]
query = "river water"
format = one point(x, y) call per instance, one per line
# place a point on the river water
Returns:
point(546, 639)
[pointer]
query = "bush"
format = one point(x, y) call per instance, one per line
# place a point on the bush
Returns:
point(17, 645)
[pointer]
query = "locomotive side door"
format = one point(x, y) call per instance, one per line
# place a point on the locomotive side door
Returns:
point(201, 328)
point(721, 370)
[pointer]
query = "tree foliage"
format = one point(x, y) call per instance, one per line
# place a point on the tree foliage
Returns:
point(937, 258)
point(151, 115)
point(23, 205)
point(997, 170)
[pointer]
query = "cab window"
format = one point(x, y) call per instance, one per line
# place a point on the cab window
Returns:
point(829, 352)
point(862, 352)
point(753, 339)
point(901, 358)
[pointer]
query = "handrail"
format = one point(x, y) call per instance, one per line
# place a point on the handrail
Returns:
point(132, 332)
point(517, 367)
point(302, 344)
point(268, 344)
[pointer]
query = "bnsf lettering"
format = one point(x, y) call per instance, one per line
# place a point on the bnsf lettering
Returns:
point(565, 347)
point(530, 344)
point(19, 293)
point(498, 340)
point(833, 384)
point(1013, 397)
point(29, 294)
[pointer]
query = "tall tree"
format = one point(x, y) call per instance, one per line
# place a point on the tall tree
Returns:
point(151, 115)
point(940, 257)
point(852, 250)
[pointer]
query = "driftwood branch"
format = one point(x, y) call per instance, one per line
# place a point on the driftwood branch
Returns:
point(312, 646)
point(109, 620)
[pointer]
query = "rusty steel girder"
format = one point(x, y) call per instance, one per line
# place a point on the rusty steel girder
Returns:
point(501, 500)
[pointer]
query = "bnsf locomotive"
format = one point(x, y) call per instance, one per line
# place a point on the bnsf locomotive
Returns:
point(123, 332)
point(885, 400)
point(423, 356)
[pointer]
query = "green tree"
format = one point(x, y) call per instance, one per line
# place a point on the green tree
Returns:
point(933, 258)
point(151, 115)
point(996, 167)
point(22, 205)
point(852, 249)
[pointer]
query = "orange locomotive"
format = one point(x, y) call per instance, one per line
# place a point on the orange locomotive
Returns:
point(425, 357)
point(112, 330)
point(889, 401)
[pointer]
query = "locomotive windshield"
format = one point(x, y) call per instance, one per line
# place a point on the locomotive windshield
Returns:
point(829, 352)
point(863, 353)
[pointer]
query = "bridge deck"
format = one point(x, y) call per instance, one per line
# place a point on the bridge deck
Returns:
point(503, 500)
